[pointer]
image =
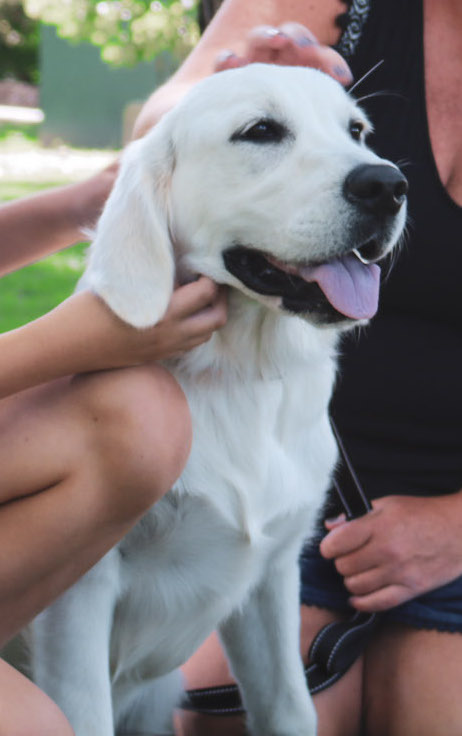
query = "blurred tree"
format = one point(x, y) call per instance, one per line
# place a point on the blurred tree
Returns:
point(19, 41)
point(127, 31)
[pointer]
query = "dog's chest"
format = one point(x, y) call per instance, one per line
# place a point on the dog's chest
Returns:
point(262, 449)
point(257, 473)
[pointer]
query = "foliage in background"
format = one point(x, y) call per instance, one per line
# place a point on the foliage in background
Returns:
point(127, 31)
point(19, 40)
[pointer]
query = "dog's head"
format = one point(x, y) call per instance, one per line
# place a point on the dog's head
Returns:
point(260, 179)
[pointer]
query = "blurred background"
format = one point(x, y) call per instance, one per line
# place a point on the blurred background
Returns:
point(73, 74)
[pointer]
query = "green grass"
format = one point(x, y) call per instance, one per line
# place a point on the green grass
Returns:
point(34, 290)
point(26, 131)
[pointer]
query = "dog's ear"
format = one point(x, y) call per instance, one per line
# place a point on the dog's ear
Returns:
point(131, 265)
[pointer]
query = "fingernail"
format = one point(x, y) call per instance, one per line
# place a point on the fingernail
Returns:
point(334, 519)
point(225, 56)
point(306, 41)
point(272, 32)
point(341, 72)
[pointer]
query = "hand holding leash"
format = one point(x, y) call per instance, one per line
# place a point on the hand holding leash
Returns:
point(405, 547)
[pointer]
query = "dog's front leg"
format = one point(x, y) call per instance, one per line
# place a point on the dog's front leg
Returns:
point(70, 650)
point(262, 643)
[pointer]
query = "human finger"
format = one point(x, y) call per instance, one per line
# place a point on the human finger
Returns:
point(228, 60)
point(329, 61)
point(367, 582)
point(333, 523)
point(299, 33)
point(345, 539)
point(209, 319)
point(320, 56)
point(193, 297)
point(382, 599)
point(270, 45)
point(360, 560)
point(294, 45)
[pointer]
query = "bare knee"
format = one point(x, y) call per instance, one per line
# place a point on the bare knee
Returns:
point(47, 721)
point(27, 711)
point(138, 431)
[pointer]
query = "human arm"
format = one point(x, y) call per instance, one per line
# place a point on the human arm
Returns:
point(239, 26)
point(33, 227)
point(403, 548)
point(82, 335)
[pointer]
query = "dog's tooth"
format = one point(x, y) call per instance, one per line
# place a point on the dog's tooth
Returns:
point(358, 255)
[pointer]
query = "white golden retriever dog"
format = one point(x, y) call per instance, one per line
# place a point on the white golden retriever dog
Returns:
point(260, 179)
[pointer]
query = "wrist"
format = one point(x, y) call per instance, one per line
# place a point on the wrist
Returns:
point(89, 198)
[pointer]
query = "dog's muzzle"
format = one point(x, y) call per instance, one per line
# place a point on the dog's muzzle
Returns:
point(346, 286)
point(341, 289)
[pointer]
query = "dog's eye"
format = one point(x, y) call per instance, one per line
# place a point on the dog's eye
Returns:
point(263, 131)
point(356, 129)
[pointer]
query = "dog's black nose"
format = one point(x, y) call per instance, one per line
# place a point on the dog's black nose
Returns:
point(380, 189)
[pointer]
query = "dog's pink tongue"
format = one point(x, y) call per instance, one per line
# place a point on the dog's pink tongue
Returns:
point(350, 286)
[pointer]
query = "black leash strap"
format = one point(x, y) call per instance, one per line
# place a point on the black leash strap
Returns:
point(335, 648)
point(339, 644)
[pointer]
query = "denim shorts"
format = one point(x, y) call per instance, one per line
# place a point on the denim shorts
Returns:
point(322, 586)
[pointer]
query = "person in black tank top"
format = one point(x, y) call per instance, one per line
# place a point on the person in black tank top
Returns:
point(398, 403)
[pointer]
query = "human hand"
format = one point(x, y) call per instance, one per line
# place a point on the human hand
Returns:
point(404, 547)
point(195, 311)
point(290, 44)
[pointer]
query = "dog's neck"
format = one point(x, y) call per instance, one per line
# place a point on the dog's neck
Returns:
point(260, 343)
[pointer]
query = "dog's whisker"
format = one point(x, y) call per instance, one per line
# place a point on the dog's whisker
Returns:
point(390, 262)
point(380, 93)
point(366, 75)
point(404, 163)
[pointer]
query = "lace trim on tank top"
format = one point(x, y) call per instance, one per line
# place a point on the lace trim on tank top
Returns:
point(351, 22)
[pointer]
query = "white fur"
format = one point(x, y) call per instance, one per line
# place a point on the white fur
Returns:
point(220, 550)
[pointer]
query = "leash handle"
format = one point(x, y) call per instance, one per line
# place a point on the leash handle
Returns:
point(351, 494)
point(337, 646)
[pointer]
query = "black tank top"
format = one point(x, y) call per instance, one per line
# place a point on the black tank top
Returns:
point(399, 397)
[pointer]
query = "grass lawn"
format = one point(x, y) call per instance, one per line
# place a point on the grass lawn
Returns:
point(27, 167)
point(32, 291)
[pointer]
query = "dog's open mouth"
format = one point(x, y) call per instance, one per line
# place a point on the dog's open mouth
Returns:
point(340, 288)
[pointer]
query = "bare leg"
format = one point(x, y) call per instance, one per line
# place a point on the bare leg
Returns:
point(412, 683)
point(81, 460)
point(338, 707)
point(25, 710)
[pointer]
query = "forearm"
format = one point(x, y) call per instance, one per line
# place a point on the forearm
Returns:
point(36, 226)
point(67, 340)
point(83, 335)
